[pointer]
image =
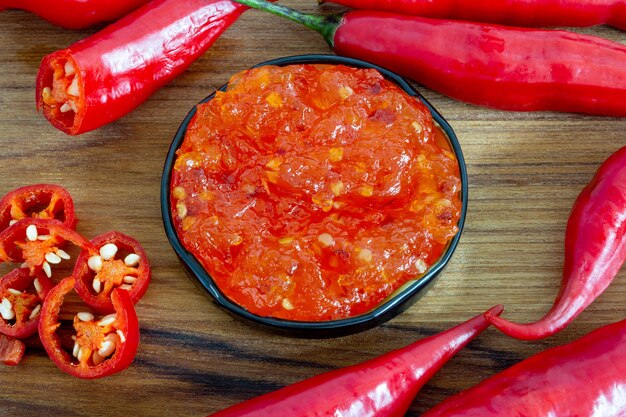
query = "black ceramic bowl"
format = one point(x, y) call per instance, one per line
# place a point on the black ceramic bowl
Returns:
point(392, 306)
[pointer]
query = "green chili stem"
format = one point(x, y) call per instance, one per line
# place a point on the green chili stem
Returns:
point(324, 25)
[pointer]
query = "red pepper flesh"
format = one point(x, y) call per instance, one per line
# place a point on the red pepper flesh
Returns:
point(24, 294)
point(95, 282)
point(118, 334)
point(584, 378)
point(75, 14)
point(102, 78)
point(595, 249)
point(527, 13)
point(496, 66)
point(44, 201)
point(11, 350)
point(382, 387)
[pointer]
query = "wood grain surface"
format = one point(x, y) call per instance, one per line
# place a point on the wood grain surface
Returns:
point(525, 170)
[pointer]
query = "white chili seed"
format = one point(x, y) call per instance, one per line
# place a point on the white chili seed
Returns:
point(129, 279)
point(38, 286)
point(7, 313)
point(62, 254)
point(69, 68)
point(73, 88)
point(14, 291)
point(108, 251)
point(65, 108)
point(47, 269)
point(85, 316)
point(120, 334)
point(421, 266)
point(52, 258)
point(43, 237)
point(75, 350)
point(106, 320)
point(132, 259)
point(95, 263)
point(326, 239)
point(31, 233)
point(108, 346)
point(35, 311)
point(96, 285)
point(365, 255)
point(24, 265)
point(12, 222)
point(125, 287)
point(287, 304)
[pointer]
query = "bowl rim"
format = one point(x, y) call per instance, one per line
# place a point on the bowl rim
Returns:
point(383, 312)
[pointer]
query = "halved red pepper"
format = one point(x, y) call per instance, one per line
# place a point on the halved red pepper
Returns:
point(21, 297)
point(114, 260)
point(43, 201)
point(37, 243)
point(102, 346)
point(75, 14)
point(11, 350)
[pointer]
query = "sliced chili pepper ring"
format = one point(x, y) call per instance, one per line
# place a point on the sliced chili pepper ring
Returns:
point(102, 346)
point(117, 261)
point(21, 297)
point(38, 243)
point(44, 201)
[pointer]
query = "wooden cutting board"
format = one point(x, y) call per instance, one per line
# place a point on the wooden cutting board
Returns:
point(525, 171)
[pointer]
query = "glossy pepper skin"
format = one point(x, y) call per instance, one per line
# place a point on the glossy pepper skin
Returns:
point(382, 387)
point(75, 14)
point(595, 249)
point(586, 378)
point(121, 66)
point(495, 66)
point(526, 13)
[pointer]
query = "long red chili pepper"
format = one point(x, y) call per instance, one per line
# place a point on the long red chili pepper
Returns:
point(595, 249)
point(496, 66)
point(105, 76)
point(534, 13)
point(75, 14)
point(381, 387)
point(586, 378)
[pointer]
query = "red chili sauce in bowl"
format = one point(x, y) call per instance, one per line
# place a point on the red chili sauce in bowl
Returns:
point(313, 192)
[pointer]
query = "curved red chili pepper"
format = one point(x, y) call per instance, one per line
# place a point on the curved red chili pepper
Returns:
point(38, 243)
point(101, 347)
point(382, 387)
point(584, 378)
point(102, 78)
point(533, 13)
point(595, 249)
point(44, 201)
point(75, 14)
point(21, 296)
point(118, 261)
point(496, 66)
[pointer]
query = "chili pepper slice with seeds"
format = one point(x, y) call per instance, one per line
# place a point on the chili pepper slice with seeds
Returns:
point(38, 243)
point(104, 77)
point(118, 261)
point(595, 250)
point(586, 378)
point(495, 66)
point(21, 296)
point(527, 13)
point(382, 387)
point(43, 201)
point(75, 14)
point(99, 346)
point(11, 350)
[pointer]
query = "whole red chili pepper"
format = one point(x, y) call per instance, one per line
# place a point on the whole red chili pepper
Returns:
point(507, 12)
point(586, 378)
point(496, 66)
point(382, 387)
point(75, 14)
point(102, 78)
point(595, 249)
